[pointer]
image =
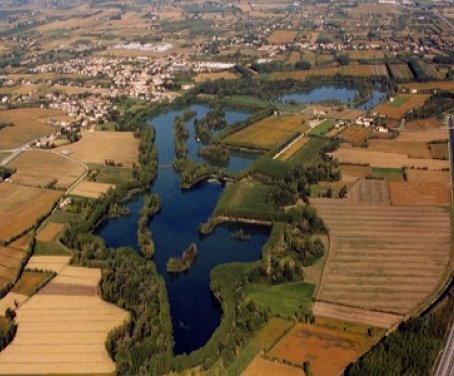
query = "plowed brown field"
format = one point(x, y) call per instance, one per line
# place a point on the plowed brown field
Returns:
point(383, 258)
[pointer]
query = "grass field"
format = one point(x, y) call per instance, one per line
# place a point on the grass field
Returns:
point(323, 128)
point(20, 207)
point(10, 262)
point(268, 132)
point(97, 147)
point(283, 300)
point(91, 189)
point(348, 70)
point(383, 258)
point(49, 232)
point(52, 248)
point(401, 105)
point(264, 339)
point(282, 36)
point(247, 199)
point(355, 135)
point(29, 281)
point(309, 154)
point(390, 174)
point(39, 168)
point(29, 124)
point(114, 175)
point(201, 77)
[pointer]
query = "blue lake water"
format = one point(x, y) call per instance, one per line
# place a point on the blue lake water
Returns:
point(329, 93)
point(195, 312)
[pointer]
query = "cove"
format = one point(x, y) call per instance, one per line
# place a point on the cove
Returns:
point(195, 312)
point(336, 93)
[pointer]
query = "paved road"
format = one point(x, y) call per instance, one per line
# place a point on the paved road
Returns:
point(446, 365)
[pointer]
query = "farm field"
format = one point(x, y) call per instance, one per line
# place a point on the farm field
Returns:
point(353, 173)
point(323, 128)
point(439, 150)
point(38, 168)
point(355, 135)
point(263, 340)
point(10, 262)
point(413, 149)
point(91, 189)
point(294, 57)
point(29, 281)
point(432, 85)
point(380, 159)
point(114, 175)
point(201, 77)
point(401, 72)
point(49, 232)
point(401, 105)
point(3, 156)
point(369, 191)
point(389, 174)
point(423, 124)
point(293, 148)
point(47, 323)
point(348, 70)
point(309, 154)
point(284, 299)
point(29, 124)
point(428, 188)
point(365, 54)
point(97, 147)
point(282, 36)
point(20, 207)
point(423, 136)
point(329, 350)
point(383, 258)
point(268, 132)
point(263, 366)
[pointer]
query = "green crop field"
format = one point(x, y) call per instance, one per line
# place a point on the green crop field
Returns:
point(114, 175)
point(323, 128)
point(309, 154)
point(246, 199)
point(284, 300)
point(392, 174)
point(400, 101)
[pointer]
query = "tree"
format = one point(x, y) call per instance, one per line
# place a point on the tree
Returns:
point(343, 59)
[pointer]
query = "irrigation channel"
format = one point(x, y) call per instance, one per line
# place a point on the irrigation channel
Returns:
point(195, 312)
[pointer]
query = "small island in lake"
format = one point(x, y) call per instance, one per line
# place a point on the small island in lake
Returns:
point(183, 263)
point(240, 235)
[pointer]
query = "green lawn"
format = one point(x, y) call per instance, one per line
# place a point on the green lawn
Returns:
point(283, 300)
point(399, 101)
point(392, 174)
point(247, 199)
point(323, 128)
point(114, 175)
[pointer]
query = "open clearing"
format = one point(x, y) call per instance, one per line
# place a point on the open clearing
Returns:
point(226, 75)
point(329, 350)
point(282, 36)
point(269, 132)
point(10, 262)
point(38, 168)
point(49, 232)
point(29, 124)
point(97, 147)
point(401, 105)
point(383, 258)
point(359, 156)
point(63, 328)
point(20, 207)
point(91, 189)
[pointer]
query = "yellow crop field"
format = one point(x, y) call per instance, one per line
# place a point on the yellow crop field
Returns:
point(50, 232)
point(91, 189)
point(39, 168)
point(268, 132)
point(21, 206)
point(97, 147)
point(226, 75)
point(401, 105)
